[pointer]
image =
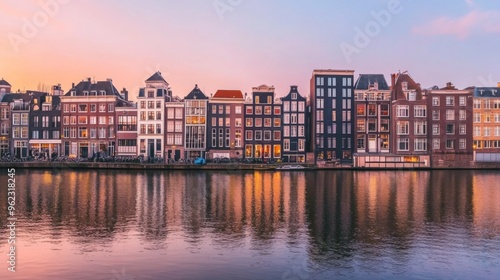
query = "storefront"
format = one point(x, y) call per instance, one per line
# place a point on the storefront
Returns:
point(45, 149)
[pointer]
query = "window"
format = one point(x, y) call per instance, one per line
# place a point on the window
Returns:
point(450, 101)
point(420, 144)
point(435, 129)
point(462, 129)
point(450, 128)
point(461, 101)
point(82, 132)
point(249, 122)
point(477, 104)
point(73, 108)
point(237, 109)
point(435, 115)
point(277, 122)
point(402, 111)
point(249, 110)
point(421, 128)
point(93, 120)
point(82, 119)
point(450, 144)
point(102, 107)
point(462, 115)
point(248, 135)
point(277, 135)
point(462, 143)
point(24, 119)
point(384, 125)
point(436, 144)
point(267, 135)
point(420, 111)
point(435, 101)
point(258, 135)
point(477, 117)
point(372, 109)
point(384, 110)
point(258, 110)
point(286, 144)
point(372, 125)
point(403, 144)
point(450, 115)
point(277, 111)
point(403, 127)
point(361, 110)
point(258, 122)
point(267, 110)
point(360, 126)
point(82, 108)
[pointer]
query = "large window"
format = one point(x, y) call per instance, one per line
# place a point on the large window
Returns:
point(421, 128)
point(403, 127)
point(420, 111)
point(420, 144)
point(402, 111)
point(403, 144)
point(450, 115)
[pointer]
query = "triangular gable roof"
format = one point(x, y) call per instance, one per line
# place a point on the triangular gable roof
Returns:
point(157, 77)
point(196, 93)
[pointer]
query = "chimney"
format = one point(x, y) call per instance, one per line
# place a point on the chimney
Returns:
point(393, 81)
point(124, 94)
point(109, 80)
point(89, 79)
point(73, 85)
point(498, 85)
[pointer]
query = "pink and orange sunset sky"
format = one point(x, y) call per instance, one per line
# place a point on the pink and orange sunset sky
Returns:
point(238, 44)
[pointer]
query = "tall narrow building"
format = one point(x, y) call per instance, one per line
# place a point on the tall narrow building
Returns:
point(409, 125)
point(295, 126)
point(332, 103)
point(263, 129)
point(151, 113)
point(195, 124)
point(451, 125)
point(225, 124)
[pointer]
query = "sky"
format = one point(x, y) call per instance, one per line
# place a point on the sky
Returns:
point(240, 44)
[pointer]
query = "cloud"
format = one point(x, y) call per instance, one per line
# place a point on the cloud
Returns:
point(471, 23)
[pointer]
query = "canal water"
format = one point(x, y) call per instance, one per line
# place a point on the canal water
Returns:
point(253, 225)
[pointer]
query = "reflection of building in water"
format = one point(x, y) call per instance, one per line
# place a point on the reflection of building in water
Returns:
point(151, 209)
point(486, 209)
point(93, 204)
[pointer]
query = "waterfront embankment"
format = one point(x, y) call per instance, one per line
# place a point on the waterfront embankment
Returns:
point(262, 167)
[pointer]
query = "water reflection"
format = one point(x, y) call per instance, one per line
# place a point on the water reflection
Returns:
point(345, 224)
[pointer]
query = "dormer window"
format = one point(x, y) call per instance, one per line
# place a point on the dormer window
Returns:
point(405, 86)
point(73, 93)
point(85, 93)
point(411, 95)
point(102, 92)
point(294, 95)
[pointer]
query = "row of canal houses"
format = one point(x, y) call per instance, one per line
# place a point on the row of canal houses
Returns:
point(366, 123)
